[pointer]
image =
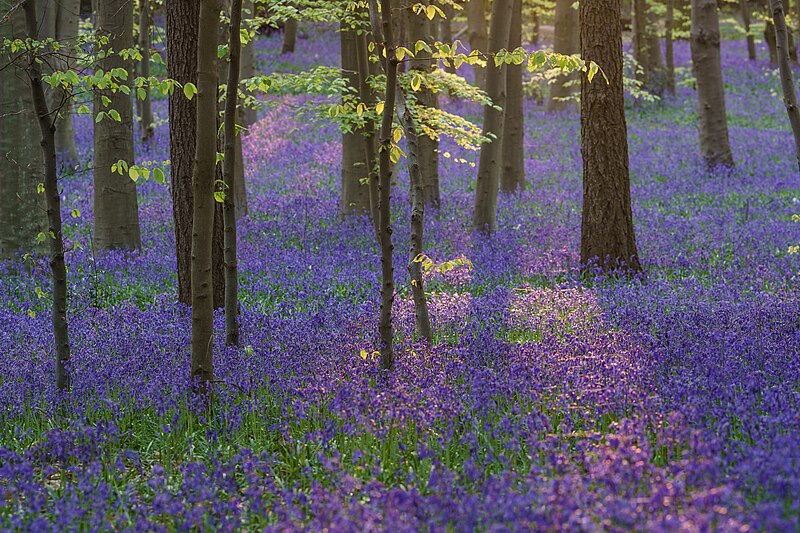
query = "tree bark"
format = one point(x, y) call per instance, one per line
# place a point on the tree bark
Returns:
point(289, 36)
point(512, 175)
point(607, 221)
point(182, 21)
point(478, 36)
point(355, 196)
point(146, 118)
point(668, 45)
point(421, 315)
point(229, 166)
point(769, 37)
point(420, 29)
point(202, 372)
point(711, 117)
point(116, 209)
point(565, 41)
point(67, 19)
point(744, 6)
point(58, 268)
point(367, 95)
point(249, 115)
point(385, 329)
point(787, 78)
point(484, 217)
point(22, 210)
point(647, 48)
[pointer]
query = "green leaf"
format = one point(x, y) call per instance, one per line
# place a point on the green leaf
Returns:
point(158, 175)
point(115, 115)
point(219, 196)
point(189, 89)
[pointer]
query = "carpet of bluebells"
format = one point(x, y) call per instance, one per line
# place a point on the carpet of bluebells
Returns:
point(670, 402)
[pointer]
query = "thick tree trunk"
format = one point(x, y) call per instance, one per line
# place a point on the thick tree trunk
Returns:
point(22, 210)
point(512, 174)
point(607, 222)
point(182, 18)
point(478, 36)
point(485, 214)
point(385, 329)
point(202, 371)
point(355, 167)
point(744, 6)
point(421, 315)
point(146, 109)
point(289, 36)
point(67, 19)
point(116, 210)
point(229, 166)
point(787, 78)
point(668, 45)
point(420, 29)
point(565, 41)
point(58, 268)
point(367, 95)
point(711, 118)
point(647, 48)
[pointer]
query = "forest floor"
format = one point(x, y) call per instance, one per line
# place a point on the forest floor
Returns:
point(667, 402)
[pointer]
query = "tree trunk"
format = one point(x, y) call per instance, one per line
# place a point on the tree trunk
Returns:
point(485, 215)
point(289, 36)
point(787, 78)
point(420, 29)
point(355, 194)
point(744, 6)
point(249, 115)
point(367, 95)
point(711, 118)
point(668, 42)
point(202, 371)
point(146, 118)
point(478, 36)
point(385, 328)
point(769, 37)
point(421, 315)
point(565, 41)
point(512, 175)
point(229, 165)
point(647, 48)
point(116, 213)
point(58, 268)
point(607, 221)
point(445, 30)
point(182, 20)
point(67, 19)
point(22, 210)
point(536, 29)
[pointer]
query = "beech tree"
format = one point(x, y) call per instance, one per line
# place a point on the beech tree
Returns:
point(116, 209)
point(146, 108)
point(711, 117)
point(787, 78)
point(607, 221)
point(746, 10)
point(512, 173)
point(289, 36)
point(478, 36)
point(484, 216)
point(647, 47)
point(565, 41)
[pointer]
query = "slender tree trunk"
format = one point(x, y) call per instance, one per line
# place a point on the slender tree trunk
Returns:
point(769, 37)
point(607, 221)
point(67, 18)
point(202, 372)
point(22, 210)
point(512, 175)
point(787, 78)
point(367, 95)
point(478, 36)
point(58, 268)
point(711, 118)
point(182, 20)
point(420, 29)
point(116, 210)
point(445, 33)
point(565, 41)
point(385, 328)
point(647, 48)
point(536, 29)
point(422, 318)
point(289, 36)
point(146, 118)
point(744, 6)
point(229, 164)
point(668, 41)
point(249, 115)
point(355, 196)
point(485, 214)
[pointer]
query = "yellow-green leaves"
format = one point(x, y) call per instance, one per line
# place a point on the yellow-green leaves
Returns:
point(189, 90)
